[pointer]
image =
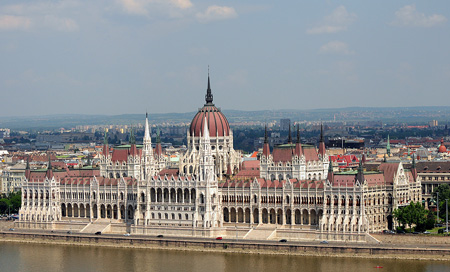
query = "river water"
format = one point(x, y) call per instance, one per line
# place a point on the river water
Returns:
point(49, 258)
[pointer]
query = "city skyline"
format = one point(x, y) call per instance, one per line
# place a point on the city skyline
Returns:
point(133, 56)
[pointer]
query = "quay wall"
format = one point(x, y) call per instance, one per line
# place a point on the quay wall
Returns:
point(412, 239)
point(231, 246)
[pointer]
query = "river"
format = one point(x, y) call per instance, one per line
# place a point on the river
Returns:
point(55, 258)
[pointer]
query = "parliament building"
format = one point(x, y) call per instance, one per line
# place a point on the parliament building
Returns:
point(296, 194)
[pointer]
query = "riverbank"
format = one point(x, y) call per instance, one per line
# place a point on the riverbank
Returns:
point(231, 246)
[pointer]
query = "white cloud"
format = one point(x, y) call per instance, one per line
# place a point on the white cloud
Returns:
point(143, 7)
point(181, 4)
point(46, 14)
point(335, 47)
point(214, 13)
point(10, 22)
point(136, 7)
point(337, 21)
point(409, 16)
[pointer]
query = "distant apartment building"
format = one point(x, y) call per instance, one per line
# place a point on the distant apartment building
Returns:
point(66, 137)
point(284, 124)
point(433, 174)
point(12, 178)
point(4, 133)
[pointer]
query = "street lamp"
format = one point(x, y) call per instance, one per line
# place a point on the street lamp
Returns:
point(446, 214)
point(437, 205)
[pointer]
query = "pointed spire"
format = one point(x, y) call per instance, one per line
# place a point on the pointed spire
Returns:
point(266, 139)
point(360, 174)
point(158, 136)
point(49, 167)
point(266, 147)
point(321, 132)
point(413, 167)
point(27, 169)
point(388, 146)
point(298, 145)
point(147, 129)
point(209, 96)
point(330, 176)
point(321, 142)
point(158, 148)
point(105, 150)
point(105, 139)
point(132, 138)
point(290, 136)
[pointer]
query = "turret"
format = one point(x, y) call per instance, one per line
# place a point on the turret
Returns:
point(388, 147)
point(27, 168)
point(89, 163)
point(49, 173)
point(363, 158)
point(147, 151)
point(298, 145)
point(133, 149)
point(330, 175)
point(290, 136)
point(322, 149)
point(266, 147)
point(158, 148)
point(209, 96)
point(413, 167)
point(360, 174)
point(105, 150)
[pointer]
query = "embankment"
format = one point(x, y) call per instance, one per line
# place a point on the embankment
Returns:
point(330, 250)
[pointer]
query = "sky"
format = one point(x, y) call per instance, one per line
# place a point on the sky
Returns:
point(132, 56)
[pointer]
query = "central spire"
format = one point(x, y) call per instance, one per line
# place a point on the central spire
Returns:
point(209, 96)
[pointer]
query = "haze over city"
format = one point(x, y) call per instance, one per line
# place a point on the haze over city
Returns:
point(132, 56)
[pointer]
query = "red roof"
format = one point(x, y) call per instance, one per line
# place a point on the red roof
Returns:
point(169, 172)
point(122, 154)
point(310, 154)
point(217, 122)
point(282, 154)
point(389, 170)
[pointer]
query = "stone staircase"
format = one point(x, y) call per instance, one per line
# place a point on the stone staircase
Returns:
point(261, 233)
point(102, 225)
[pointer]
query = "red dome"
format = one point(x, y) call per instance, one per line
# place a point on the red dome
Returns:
point(442, 148)
point(217, 122)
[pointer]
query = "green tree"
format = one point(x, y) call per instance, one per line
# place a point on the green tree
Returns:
point(4, 205)
point(16, 202)
point(413, 214)
point(444, 193)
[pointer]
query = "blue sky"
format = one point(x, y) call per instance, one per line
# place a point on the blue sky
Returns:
point(132, 56)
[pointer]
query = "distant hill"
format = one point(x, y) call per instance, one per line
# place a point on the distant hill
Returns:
point(411, 115)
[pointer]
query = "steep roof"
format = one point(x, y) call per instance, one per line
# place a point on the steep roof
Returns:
point(389, 170)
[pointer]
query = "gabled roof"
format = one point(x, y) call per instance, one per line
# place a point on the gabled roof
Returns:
point(310, 154)
point(282, 154)
point(389, 171)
